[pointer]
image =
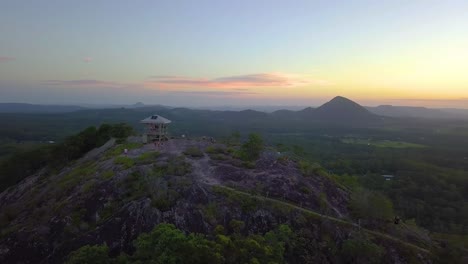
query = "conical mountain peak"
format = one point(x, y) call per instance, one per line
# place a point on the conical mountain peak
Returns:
point(343, 109)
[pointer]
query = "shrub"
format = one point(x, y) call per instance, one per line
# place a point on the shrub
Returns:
point(218, 157)
point(304, 189)
point(236, 225)
point(251, 150)
point(161, 203)
point(194, 152)
point(249, 164)
point(178, 167)
point(309, 169)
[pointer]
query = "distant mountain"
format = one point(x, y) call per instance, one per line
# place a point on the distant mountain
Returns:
point(341, 109)
point(137, 105)
point(285, 114)
point(418, 112)
point(34, 108)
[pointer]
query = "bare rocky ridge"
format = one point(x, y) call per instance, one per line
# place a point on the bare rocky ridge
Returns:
point(111, 199)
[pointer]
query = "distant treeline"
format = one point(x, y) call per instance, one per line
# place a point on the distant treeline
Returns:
point(20, 165)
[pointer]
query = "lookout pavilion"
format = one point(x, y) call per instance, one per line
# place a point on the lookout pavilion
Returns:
point(155, 128)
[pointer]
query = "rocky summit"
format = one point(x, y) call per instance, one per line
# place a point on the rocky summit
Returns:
point(111, 196)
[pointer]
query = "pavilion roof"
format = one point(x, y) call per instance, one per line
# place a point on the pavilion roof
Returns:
point(155, 119)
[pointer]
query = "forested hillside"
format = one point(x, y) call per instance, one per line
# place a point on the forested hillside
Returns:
point(427, 159)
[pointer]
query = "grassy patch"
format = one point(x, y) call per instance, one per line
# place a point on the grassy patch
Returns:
point(126, 162)
point(89, 186)
point(77, 216)
point(147, 157)
point(194, 152)
point(216, 150)
point(211, 212)
point(107, 174)
point(76, 176)
point(108, 210)
point(135, 186)
point(178, 167)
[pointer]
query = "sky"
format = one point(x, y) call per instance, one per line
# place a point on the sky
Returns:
point(243, 52)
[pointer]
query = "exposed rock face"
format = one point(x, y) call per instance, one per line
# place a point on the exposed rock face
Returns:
point(109, 201)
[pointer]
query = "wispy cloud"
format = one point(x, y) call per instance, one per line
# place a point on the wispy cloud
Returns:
point(88, 59)
point(234, 82)
point(6, 59)
point(84, 83)
point(213, 93)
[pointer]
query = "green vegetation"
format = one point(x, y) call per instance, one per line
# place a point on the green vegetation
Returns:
point(89, 186)
point(361, 250)
point(125, 161)
point(163, 185)
point(308, 168)
point(382, 143)
point(79, 174)
point(167, 244)
point(106, 175)
point(215, 150)
point(96, 254)
point(194, 152)
point(251, 150)
point(23, 164)
point(429, 163)
point(135, 186)
point(371, 205)
point(247, 203)
point(176, 166)
point(147, 157)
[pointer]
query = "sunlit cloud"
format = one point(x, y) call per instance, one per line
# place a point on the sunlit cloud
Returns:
point(6, 59)
point(235, 82)
point(85, 83)
point(213, 93)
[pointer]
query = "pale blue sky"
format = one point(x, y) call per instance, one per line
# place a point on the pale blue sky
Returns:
point(372, 51)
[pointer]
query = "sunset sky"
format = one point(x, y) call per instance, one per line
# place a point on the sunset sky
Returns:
point(252, 52)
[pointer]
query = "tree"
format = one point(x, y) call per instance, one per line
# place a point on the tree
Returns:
point(90, 255)
point(361, 250)
point(167, 244)
point(252, 149)
point(371, 205)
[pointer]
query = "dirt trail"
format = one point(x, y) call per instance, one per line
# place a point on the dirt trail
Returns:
point(331, 218)
point(202, 168)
